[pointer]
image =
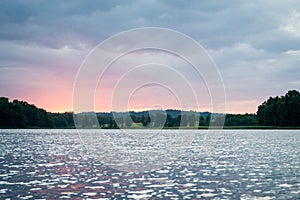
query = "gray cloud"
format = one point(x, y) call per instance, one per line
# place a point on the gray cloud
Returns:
point(253, 43)
point(215, 23)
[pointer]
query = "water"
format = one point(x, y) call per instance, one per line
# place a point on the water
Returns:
point(52, 164)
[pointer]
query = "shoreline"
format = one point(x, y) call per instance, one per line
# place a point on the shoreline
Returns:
point(174, 128)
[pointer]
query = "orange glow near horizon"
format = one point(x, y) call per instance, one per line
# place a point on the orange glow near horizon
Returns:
point(62, 102)
point(55, 94)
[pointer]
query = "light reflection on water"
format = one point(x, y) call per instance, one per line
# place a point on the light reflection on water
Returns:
point(51, 164)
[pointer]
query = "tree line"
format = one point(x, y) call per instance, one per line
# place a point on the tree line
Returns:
point(281, 111)
point(163, 119)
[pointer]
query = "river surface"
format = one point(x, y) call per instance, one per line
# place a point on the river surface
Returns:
point(237, 164)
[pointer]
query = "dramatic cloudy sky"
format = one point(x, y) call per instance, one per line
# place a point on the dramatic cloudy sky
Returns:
point(255, 44)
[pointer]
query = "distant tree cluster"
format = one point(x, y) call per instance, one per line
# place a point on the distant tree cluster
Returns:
point(280, 111)
point(154, 119)
point(149, 119)
point(241, 120)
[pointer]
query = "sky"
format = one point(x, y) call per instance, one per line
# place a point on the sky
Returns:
point(254, 44)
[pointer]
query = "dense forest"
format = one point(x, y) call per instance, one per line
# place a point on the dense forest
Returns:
point(280, 111)
point(20, 114)
point(277, 111)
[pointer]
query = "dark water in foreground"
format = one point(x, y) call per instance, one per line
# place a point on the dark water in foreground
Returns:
point(53, 164)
